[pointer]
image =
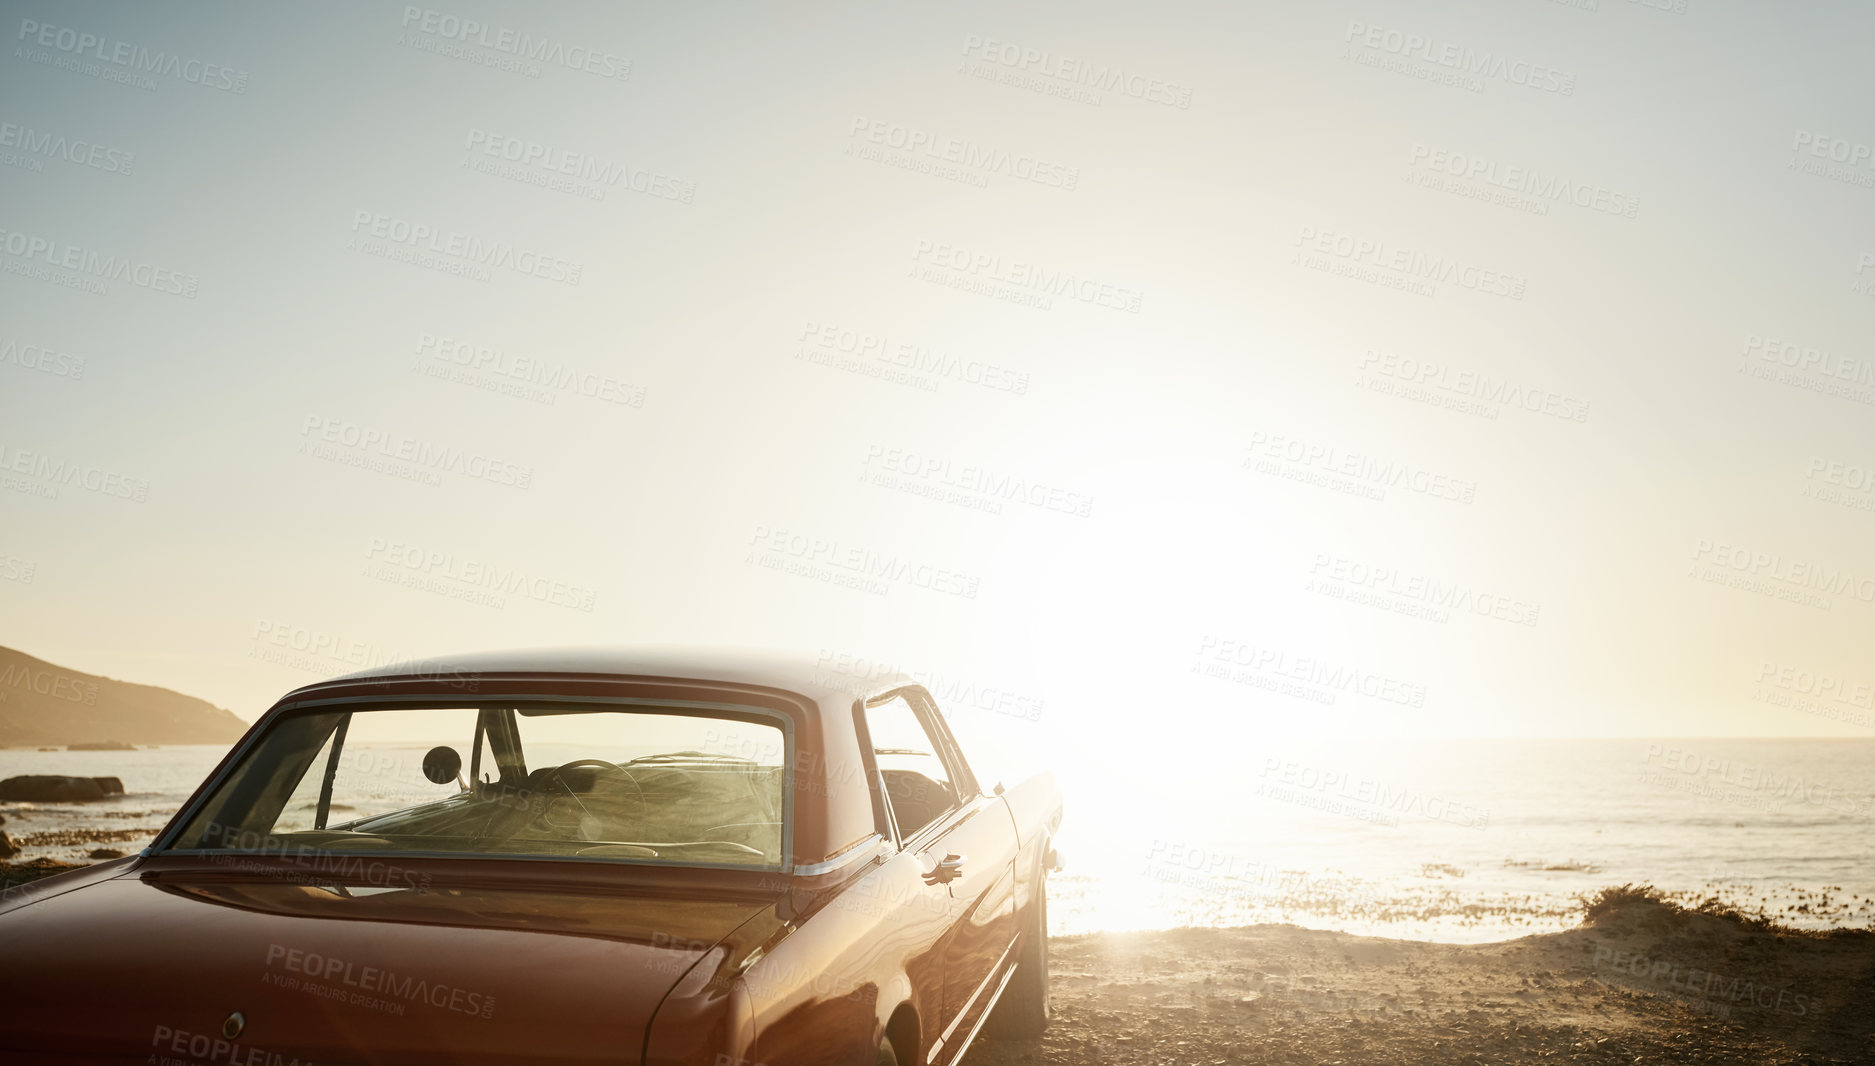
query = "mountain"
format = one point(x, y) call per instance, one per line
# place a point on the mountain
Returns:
point(41, 703)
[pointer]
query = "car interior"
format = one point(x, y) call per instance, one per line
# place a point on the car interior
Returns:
point(686, 804)
point(917, 798)
point(303, 788)
point(917, 783)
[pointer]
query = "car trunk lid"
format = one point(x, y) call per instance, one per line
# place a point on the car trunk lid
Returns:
point(152, 966)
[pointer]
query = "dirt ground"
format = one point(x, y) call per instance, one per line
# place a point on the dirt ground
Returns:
point(1642, 981)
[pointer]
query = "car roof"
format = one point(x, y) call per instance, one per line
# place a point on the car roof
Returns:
point(821, 676)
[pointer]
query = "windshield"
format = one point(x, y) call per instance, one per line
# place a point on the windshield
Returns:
point(599, 782)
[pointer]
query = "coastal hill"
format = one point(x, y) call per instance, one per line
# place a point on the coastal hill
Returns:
point(42, 703)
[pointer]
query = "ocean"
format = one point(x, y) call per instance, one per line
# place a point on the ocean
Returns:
point(1459, 841)
point(1468, 841)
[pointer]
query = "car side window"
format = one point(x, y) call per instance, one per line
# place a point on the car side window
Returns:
point(917, 783)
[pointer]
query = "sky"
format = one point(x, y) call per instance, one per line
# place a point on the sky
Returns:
point(1177, 375)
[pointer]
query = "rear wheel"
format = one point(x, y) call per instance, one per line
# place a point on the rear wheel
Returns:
point(1022, 1012)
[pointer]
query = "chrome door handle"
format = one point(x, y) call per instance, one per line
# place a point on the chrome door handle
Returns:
point(948, 869)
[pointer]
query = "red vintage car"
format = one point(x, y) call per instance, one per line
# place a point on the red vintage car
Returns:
point(638, 856)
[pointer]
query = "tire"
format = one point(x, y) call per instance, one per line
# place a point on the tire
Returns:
point(887, 1055)
point(1022, 1012)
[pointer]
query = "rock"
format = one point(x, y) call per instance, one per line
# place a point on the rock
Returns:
point(14, 874)
point(47, 788)
point(101, 745)
point(7, 848)
point(106, 853)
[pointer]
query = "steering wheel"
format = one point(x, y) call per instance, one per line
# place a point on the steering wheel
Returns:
point(555, 776)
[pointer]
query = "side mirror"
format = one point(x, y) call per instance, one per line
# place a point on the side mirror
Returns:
point(442, 765)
